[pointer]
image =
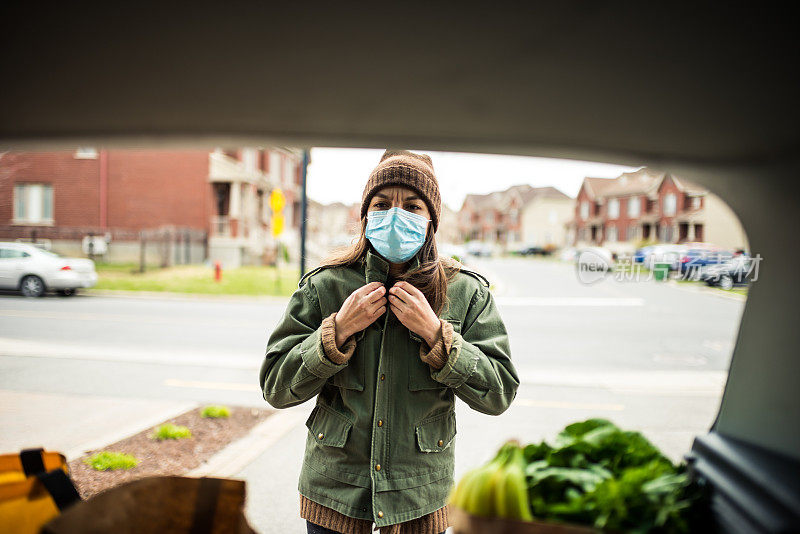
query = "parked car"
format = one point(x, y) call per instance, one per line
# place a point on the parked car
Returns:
point(33, 270)
point(670, 254)
point(736, 271)
point(641, 253)
point(478, 248)
point(534, 251)
point(697, 258)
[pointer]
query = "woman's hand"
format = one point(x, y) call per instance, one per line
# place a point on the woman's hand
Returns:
point(359, 310)
point(413, 310)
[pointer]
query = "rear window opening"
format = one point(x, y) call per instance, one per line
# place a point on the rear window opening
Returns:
point(621, 287)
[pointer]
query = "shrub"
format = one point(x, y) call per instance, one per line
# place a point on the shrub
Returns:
point(170, 431)
point(216, 412)
point(106, 460)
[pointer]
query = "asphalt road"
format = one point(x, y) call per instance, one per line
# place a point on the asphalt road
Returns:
point(649, 356)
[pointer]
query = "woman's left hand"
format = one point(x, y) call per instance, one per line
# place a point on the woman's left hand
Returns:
point(413, 310)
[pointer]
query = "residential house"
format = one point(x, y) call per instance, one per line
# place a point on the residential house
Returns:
point(649, 206)
point(187, 204)
point(521, 215)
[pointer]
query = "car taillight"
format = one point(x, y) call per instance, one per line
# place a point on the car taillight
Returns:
point(66, 268)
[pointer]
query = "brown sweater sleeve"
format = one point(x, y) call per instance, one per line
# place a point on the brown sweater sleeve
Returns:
point(437, 355)
point(332, 352)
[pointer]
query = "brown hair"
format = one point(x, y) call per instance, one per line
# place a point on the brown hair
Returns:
point(430, 277)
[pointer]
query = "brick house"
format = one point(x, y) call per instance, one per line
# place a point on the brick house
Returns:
point(210, 205)
point(519, 215)
point(620, 213)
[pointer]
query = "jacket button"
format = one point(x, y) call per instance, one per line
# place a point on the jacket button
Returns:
point(440, 442)
point(378, 467)
point(380, 513)
point(321, 435)
point(383, 377)
point(380, 422)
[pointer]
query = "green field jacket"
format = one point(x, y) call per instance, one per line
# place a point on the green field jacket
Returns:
point(385, 406)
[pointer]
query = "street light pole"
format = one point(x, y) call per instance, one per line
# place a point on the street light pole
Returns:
point(303, 213)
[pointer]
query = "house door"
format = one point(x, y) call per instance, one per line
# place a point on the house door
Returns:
point(683, 232)
point(698, 232)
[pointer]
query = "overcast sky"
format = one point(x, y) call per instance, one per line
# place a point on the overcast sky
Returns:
point(339, 174)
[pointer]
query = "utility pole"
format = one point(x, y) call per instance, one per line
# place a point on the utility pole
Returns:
point(303, 213)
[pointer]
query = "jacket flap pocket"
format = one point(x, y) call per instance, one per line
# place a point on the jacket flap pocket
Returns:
point(352, 376)
point(436, 433)
point(456, 326)
point(328, 427)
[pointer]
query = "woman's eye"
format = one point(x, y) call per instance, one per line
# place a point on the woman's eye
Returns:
point(380, 204)
point(414, 207)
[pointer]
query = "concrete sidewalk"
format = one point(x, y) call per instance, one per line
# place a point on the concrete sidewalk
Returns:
point(73, 424)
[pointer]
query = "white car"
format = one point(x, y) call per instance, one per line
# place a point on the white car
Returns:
point(33, 271)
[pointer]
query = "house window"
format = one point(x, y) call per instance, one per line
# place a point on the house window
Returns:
point(584, 210)
point(669, 204)
point(611, 233)
point(633, 207)
point(33, 203)
point(85, 152)
point(250, 159)
point(613, 208)
point(695, 202)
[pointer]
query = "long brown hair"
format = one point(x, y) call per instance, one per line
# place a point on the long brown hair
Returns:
point(430, 277)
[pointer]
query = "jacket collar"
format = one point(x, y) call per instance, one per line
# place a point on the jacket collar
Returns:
point(377, 268)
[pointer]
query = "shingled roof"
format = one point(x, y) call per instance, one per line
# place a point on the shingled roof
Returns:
point(498, 199)
point(639, 182)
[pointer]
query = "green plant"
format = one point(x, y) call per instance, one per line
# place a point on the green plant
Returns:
point(106, 460)
point(597, 474)
point(170, 431)
point(216, 412)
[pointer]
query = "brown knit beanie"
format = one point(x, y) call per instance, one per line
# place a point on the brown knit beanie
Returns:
point(401, 167)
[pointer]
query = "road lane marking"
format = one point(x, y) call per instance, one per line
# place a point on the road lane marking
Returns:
point(122, 318)
point(590, 302)
point(23, 348)
point(568, 405)
point(199, 384)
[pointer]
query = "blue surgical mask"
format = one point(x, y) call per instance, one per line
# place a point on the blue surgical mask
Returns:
point(396, 234)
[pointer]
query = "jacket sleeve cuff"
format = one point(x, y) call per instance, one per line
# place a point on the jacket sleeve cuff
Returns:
point(331, 351)
point(437, 355)
point(460, 364)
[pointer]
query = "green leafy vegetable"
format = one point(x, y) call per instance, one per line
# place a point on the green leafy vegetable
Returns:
point(615, 480)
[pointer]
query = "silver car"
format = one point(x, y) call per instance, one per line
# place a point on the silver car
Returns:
point(33, 271)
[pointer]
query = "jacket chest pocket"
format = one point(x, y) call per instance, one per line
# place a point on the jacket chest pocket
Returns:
point(328, 427)
point(436, 433)
point(419, 372)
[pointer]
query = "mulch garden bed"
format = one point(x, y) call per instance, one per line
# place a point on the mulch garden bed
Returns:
point(167, 457)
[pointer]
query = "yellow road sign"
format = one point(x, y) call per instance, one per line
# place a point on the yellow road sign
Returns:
point(277, 224)
point(277, 200)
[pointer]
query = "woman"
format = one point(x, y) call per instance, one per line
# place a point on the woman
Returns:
point(386, 335)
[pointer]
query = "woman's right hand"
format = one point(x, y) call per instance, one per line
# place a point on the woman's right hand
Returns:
point(359, 310)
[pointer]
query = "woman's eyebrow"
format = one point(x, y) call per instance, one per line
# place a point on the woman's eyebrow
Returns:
point(413, 197)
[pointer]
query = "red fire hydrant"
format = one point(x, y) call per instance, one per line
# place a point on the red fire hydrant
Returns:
point(217, 271)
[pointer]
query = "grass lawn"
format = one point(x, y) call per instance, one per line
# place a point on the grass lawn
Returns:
point(739, 290)
point(249, 280)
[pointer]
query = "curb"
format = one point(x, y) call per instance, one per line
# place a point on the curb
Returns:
point(169, 295)
point(231, 460)
point(128, 431)
point(708, 291)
